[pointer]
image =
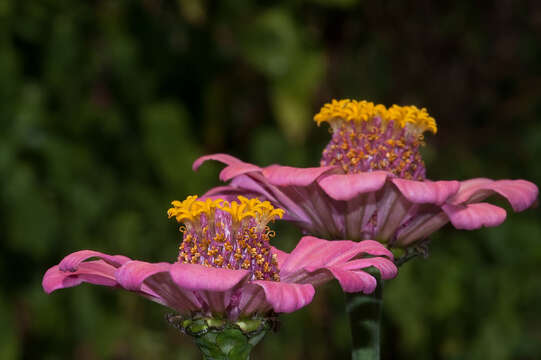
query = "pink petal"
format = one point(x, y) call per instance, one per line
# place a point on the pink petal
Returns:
point(386, 268)
point(73, 260)
point(281, 256)
point(348, 186)
point(354, 281)
point(94, 272)
point(474, 216)
point(285, 297)
point(313, 252)
point(223, 158)
point(227, 193)
point(422, 192)
point(132, 274)
point(252, 300)
point(521, 194)
point(374, 248)
point(349, 273)
point(139, 276)
point(420, 227)
point(286, 175)
point(198, 277)
point(235, 166)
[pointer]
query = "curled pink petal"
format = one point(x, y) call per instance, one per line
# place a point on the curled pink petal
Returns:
point(287, 176)
point(73, 260)
point(474, 216)
point(198, 277)
point(521, 194)
point(235, 166)
point(354, 281)
point(285, 297)
point(223, 158)
point(348, 186)
point(387, 269)
point(422, 192)
point(94, 272)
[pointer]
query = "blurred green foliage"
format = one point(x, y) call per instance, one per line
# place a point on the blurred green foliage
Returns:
point(105, 104)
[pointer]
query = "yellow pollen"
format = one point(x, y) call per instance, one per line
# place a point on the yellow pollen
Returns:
point(359, 111)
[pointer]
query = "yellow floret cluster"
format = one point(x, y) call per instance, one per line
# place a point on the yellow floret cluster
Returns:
point(353, 110)
point(192, 208)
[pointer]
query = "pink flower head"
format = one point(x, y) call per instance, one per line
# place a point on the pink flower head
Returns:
point(371, 183)
point(226, 266)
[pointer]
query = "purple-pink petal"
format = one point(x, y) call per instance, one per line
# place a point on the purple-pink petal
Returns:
point(348, 186)
point(286, 297)
point(95, 272)
point(291, 176)
point(423, 192)
point(73, 260)
point(474, 216)
point(198, 277)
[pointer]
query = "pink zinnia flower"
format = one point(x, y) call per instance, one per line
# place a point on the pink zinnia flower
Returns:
point(371, 183)
point(226, 268)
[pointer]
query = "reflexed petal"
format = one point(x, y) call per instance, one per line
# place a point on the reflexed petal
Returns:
point(348, 186)
point(521, 194)
point(94, 272)
point(286, 175)
point(422, 192)
point(223, 158)
point(285, 297)
point(73, 260)
point(474, 216)
point(235, 166)
point(198, 277)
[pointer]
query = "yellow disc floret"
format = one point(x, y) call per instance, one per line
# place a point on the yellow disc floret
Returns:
point(191, 209)
point(409, 117)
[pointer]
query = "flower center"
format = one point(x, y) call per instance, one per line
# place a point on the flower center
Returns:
point(232, 235)
point(369, 137)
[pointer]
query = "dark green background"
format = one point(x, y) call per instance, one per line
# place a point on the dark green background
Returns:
point(104, 105)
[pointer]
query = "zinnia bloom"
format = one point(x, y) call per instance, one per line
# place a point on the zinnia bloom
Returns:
point(372, 181)
point(226, 269)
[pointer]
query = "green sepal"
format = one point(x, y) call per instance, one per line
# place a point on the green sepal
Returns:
point(220, 339)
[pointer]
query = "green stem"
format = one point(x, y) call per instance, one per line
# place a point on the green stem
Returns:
point(364, 313)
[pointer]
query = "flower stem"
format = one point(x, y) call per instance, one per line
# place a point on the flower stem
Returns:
point(364, 313)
